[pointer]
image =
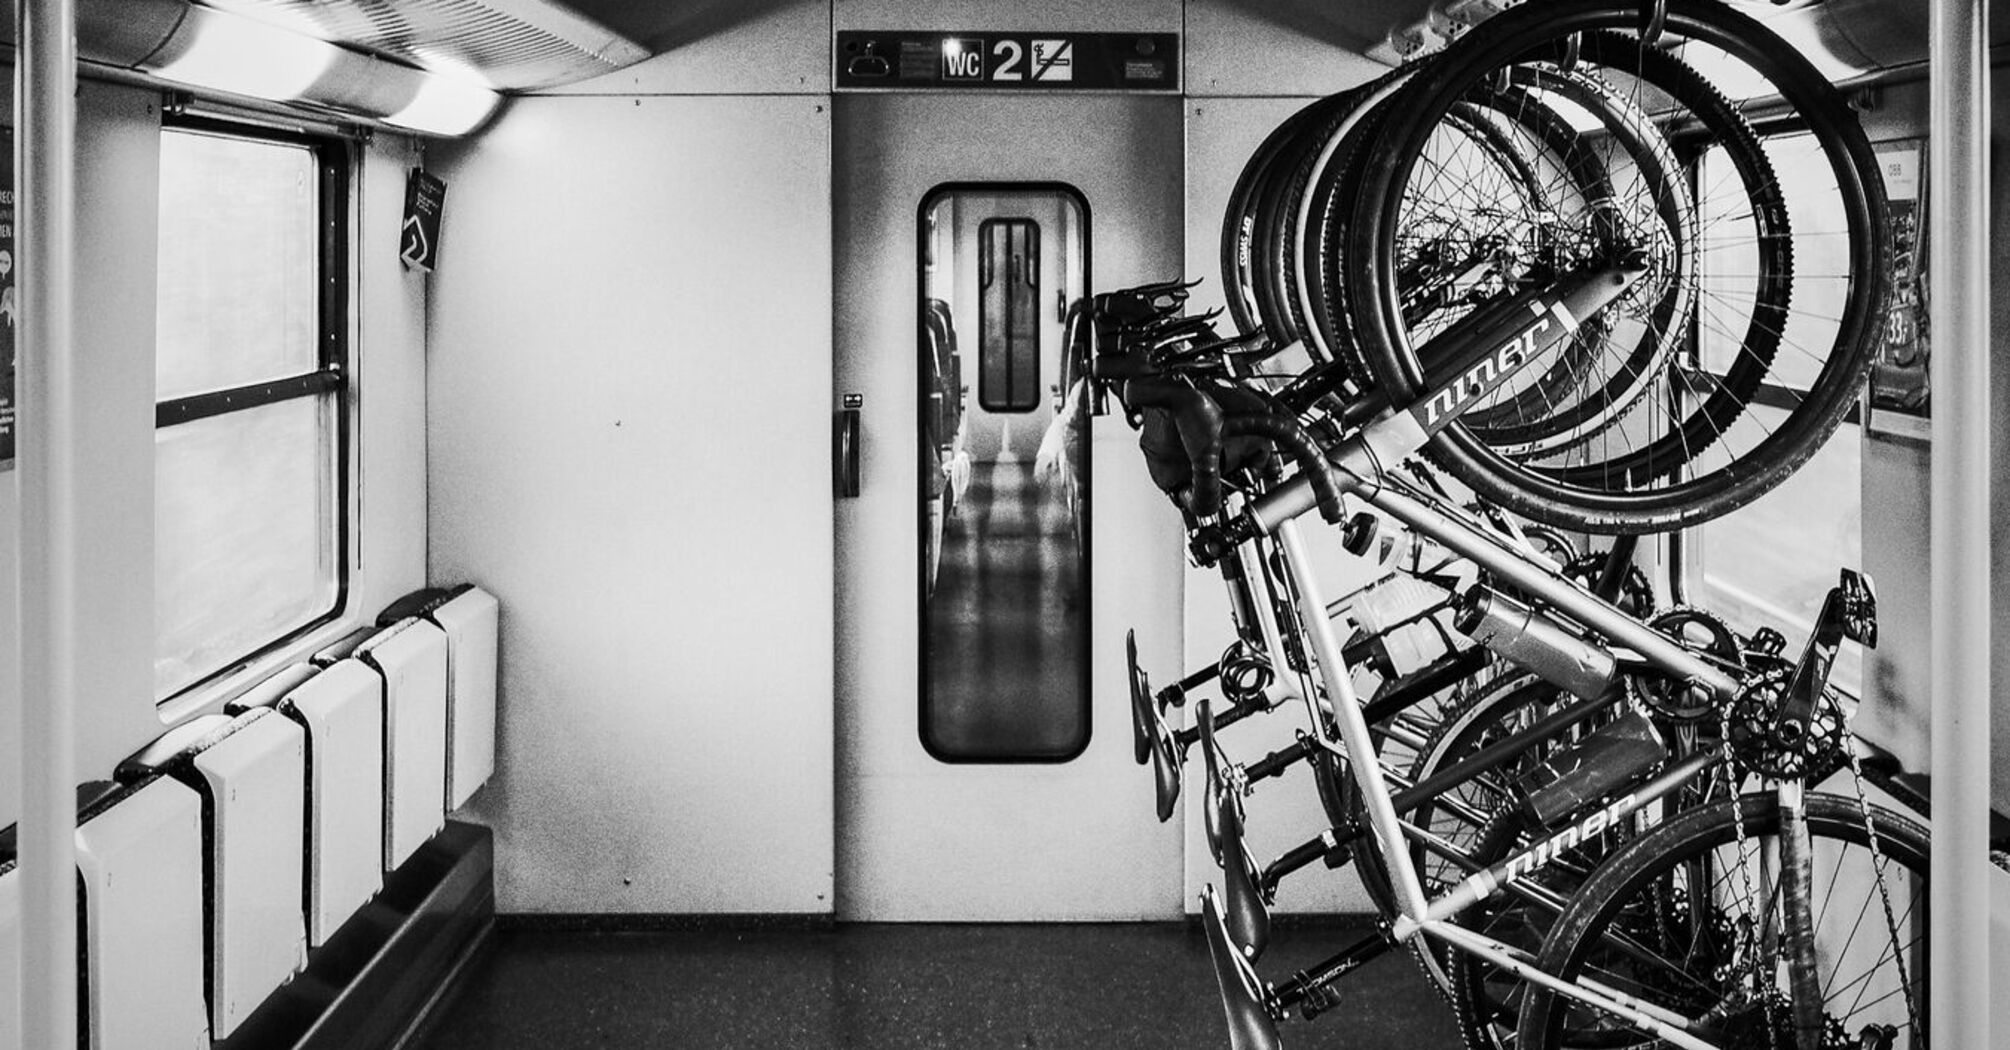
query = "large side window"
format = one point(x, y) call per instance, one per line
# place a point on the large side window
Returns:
point(248, 485)
point(1772, 563)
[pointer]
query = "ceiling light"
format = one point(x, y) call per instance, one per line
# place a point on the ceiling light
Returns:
point(226, 52)
point(445, 107)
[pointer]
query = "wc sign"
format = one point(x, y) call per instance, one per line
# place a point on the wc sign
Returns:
point(1008, 60)
point(962, 58)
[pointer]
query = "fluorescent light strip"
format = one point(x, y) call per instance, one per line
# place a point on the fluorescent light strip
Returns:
point(445, 107)
point(226, 52)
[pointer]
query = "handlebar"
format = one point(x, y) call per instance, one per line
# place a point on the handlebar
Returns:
point(1293, 439)
point(1198, 421)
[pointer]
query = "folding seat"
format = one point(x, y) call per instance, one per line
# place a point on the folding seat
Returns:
point(411, 659)
point(249, 770)
point(341, 711)
point(139, 867)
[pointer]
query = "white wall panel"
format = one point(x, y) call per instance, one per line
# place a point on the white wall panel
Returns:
point(1114, 16)
point(630, 447)
point(1286, 47)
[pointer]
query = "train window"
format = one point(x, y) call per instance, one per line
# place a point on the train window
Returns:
point(248, 522)
point(1008, 315)
point(1773, 562)
point(1004, 493)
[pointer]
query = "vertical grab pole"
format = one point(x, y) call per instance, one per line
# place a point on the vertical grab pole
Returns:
point(1958, 130)
point(45, 73)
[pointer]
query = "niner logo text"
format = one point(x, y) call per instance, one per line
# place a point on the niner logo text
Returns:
point(1548, 851)
point(1489, 372)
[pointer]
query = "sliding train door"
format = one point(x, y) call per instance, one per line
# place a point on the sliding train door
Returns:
point(1001, 539)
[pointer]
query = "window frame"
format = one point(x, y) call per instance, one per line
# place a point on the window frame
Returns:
point(991, 398)
point(334, 162)
point(925, 258)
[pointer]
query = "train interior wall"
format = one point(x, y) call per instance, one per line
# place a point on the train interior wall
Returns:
point(611, 406)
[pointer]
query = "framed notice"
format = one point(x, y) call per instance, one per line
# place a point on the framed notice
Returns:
point(992, 60)
point(1899, 377)
point(7, 299)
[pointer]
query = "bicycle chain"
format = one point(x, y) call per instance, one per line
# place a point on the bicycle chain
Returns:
point(1883, 891)
point(1762, 975)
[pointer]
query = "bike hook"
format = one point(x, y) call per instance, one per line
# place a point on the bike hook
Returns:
point(1653, 18)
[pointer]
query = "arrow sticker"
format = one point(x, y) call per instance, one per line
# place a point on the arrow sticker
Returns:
point(414, 252)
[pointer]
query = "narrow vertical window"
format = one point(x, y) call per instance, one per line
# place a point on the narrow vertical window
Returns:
point(248, 389)
point(1004, 494)
point(1008, 316)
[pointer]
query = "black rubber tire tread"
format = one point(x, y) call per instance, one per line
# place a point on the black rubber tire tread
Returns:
point(1515, 34)
point(1238, 228)
point(1676, 841)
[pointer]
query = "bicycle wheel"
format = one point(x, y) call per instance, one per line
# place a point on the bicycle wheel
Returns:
point(1689, 918)
point(1482, 819)
point(1775, 304)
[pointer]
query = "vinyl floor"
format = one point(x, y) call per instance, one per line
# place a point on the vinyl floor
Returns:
point(958, 987)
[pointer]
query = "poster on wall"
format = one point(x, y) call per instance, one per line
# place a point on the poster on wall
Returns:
point(7, 308)
point(1899, 378)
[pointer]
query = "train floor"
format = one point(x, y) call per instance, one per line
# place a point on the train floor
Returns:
point(891, 987)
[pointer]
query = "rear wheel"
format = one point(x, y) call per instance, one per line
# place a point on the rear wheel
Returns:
point(1691, 918)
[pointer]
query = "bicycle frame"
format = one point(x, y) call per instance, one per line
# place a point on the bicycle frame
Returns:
point(1356, 469)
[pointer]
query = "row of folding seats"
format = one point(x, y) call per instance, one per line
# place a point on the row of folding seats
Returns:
point(225, 851)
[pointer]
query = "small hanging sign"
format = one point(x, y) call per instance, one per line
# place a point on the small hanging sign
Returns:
point(419, 243)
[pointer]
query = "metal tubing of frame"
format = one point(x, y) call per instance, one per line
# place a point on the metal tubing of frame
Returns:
point(45, 72)
point(1958, 235)
point(1646, 1016)
point(1352, 724)
point(1552, 586)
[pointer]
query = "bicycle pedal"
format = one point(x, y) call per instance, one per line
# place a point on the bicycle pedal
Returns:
point(1858, 604)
